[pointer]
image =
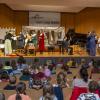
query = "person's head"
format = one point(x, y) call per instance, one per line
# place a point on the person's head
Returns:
point(21, 60)
point(4, 76)
point(13, 64)
point(20, 89)
point(2, 96)
point(48, 90)
point(7, 63)
point(93, 86)
point(25, 71)
point(12, 79)
point(84, 74)
point(61, 75)
point(82, 61)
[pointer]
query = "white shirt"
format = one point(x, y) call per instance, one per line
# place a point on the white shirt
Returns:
point(88, 96)
point(80, 83)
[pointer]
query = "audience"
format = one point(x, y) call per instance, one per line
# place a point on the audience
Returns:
point(93, 86)
point(42, 76)
point(21, 94)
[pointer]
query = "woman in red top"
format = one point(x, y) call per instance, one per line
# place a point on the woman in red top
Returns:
point(41, 41)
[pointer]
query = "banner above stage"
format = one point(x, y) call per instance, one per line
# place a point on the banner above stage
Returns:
point(45, 19)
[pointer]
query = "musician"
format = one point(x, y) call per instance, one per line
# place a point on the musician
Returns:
point(92, 44)
point(34, 38)
point(41, 41)
point(21, 41)
point(14, 42)
point(8, 46)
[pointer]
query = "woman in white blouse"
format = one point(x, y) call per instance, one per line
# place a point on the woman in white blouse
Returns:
point(82, 80)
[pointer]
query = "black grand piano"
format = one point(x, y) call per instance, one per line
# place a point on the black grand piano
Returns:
point(77, 38)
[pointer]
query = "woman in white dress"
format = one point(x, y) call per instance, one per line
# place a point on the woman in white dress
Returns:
point(8, 46)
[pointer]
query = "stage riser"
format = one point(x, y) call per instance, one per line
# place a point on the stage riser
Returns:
point(42, 60)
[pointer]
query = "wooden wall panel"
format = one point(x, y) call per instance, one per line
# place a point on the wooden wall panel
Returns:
point(67, 20)
point(11, 18)
point(6, 16)
point(21, 18)
point(88, 20)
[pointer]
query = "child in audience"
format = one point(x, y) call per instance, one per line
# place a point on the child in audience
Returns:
point(12, 83)
point(25, 75)
point(47, 71)
point(66, 69)
point(2, 96)
point(21, 63)
point(21, 94)
point(13, 64)
point(48, 93)
point(93, 86)
point(61, 80)
point(37, 83)
point(4, 77)
point(7, 67)
point(59, 63)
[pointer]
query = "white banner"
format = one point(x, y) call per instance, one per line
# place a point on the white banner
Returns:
point(45, 19)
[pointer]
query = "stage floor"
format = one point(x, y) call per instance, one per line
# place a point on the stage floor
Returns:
point(51, 54)
point(77, 52)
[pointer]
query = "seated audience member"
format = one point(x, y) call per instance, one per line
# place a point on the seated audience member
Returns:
point(21, 63)
point(38, 79)
point(4, 77)
point(13, 64)
point(2, 96)
point(82, 80)
point(25, 75)
point(47, 72)
point(59, 63)
point(66, 69)
point(7, 67)
point(37, 83)
point(61, 80)
point(80, 84)
point(93, 86)
point(21, 94)
point(48, 93)
point(12, 83)
point(83, 64)
point(40, 73)
point(69, 63)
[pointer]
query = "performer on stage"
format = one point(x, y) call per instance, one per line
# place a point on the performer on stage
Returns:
point(8, 46)
point(21, 41)
point(92, 44)
point(34, 38)
point(41, 41)
point(14, 42)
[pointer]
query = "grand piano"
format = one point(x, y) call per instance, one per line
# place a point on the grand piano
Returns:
point(77, 38)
